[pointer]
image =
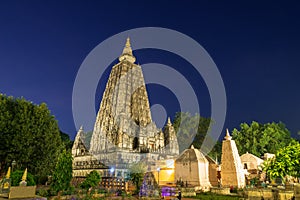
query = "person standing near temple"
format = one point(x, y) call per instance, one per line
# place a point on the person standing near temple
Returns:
point(179, 195)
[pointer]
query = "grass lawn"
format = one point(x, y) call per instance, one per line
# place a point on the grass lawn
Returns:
point(211, 196)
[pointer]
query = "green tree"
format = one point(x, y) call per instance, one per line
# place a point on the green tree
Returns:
point(137, 172)
point(92, 180)
point(259, 138)
point(192, 129)
point(16, 177)
point(62, 176)
point(29, 134)
point(186, 127)
point(285, 162)
point(66, 140)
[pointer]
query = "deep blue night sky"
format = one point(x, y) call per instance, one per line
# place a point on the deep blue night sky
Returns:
point(256, 46)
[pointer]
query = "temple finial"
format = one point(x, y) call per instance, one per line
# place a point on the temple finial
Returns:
point(128, 42)
point(127, 49)
point(24, 177)
point(169, 121)
point(8, 173)
point(81, 128)
point(227, 137)
point(127, 52)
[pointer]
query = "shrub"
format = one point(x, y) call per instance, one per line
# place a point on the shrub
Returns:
point(92, 180)
point(43, 192)
point(63, 173)
point(16, 178)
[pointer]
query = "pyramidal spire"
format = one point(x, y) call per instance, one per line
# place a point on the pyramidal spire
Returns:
point(81, 128)
point(8, 174)
point(169, 121)
point(227, 137)
point(24, 177)
point(127, 53)
point(127, 49)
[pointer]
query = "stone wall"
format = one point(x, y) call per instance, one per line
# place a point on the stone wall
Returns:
point(22, 192)
point(269, 194)
point(213, 174)
point(297, 191)
point(222, 191)
point(254, 194)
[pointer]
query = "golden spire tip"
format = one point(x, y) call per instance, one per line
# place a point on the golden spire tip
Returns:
point(24, 177)
point(8, 174)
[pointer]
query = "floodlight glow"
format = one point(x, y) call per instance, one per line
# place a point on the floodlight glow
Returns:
point(112, 170)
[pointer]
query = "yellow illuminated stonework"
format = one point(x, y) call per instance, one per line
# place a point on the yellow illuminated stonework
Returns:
point(6, 185)
point(166, 173)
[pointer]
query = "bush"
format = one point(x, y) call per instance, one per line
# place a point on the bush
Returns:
point(92, 180)
point(61, 180)
point(69, 191)
point(43, 192)
point(16, 178)
point(209, 196)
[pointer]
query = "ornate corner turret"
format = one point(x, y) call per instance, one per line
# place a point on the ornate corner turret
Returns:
point(171, 142)
point(79, 148)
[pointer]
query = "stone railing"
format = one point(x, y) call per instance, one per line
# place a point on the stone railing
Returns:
point(222, 191)
point(22, 192)
point(270, 194)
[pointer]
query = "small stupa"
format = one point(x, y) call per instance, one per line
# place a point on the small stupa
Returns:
point(8, 174)
point(232, 172)
point(24, 177)
point(6, 181)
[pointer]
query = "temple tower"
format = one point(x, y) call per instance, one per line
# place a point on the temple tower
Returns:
point(124, 119)
point(232, 172)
